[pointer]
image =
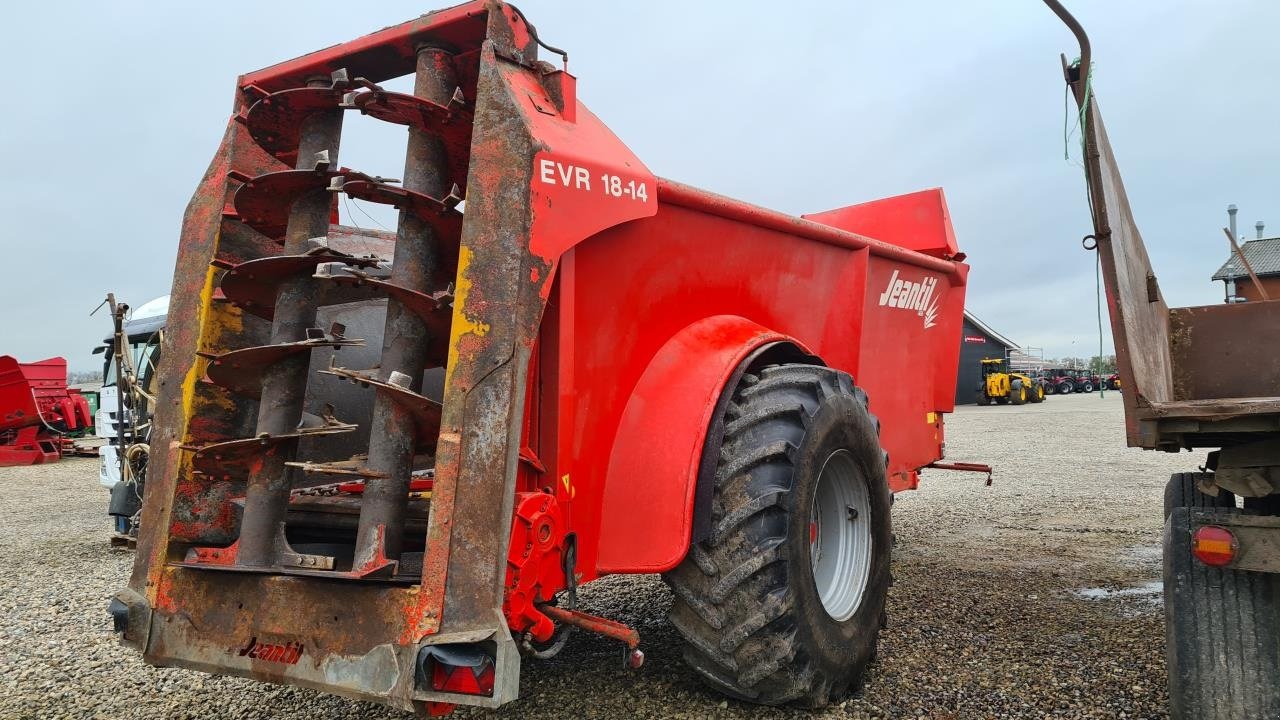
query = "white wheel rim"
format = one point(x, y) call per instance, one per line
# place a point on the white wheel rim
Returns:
point(840, 536)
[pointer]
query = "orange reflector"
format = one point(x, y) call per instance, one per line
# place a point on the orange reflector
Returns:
point(1214, 545)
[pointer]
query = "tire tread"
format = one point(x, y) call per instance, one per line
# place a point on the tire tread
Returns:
point(1222, 631)
point(732, 610)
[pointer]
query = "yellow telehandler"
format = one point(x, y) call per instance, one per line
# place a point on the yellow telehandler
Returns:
point(1006, 387)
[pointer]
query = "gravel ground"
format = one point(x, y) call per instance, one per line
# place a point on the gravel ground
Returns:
point(1033, 598)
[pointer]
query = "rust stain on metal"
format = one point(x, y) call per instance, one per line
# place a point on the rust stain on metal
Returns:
point(1192, 377)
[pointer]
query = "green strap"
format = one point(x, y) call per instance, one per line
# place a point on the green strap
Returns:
point(1082, 119)
point(1097, 276)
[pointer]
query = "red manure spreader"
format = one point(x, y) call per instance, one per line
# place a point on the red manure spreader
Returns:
point(383, 464)
point(36, 409)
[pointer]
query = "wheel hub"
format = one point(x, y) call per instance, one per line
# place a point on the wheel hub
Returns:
point(840, 536)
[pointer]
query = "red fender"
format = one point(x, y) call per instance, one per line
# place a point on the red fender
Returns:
point(647, 513)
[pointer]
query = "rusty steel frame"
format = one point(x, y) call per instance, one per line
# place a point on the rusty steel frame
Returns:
point(486, 383)
point(1180, 391)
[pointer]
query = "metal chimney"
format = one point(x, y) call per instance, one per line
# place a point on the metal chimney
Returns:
point(1259, 226)
point(1231, 220)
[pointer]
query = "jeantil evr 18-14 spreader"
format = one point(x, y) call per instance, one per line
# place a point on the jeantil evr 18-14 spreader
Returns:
point(383, 463)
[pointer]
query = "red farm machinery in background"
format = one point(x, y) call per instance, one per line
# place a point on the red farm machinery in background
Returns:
point(37, 410)
point(382, 464)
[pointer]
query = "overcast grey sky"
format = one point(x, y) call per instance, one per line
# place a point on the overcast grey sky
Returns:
point(798, 106)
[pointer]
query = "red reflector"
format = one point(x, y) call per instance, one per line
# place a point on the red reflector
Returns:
point(1214, 545)
point(462, 680)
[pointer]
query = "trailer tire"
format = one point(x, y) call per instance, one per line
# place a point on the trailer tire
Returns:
point(747, 599)
point(1221, 630)
point(1182, 491)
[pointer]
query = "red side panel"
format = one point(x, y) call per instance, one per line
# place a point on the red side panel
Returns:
point(910, 345)
point(638, 285)
point(917, 221)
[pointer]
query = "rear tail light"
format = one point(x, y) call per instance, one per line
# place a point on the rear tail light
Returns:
point(1214, 545)
point(462, 680)
point(462, 668)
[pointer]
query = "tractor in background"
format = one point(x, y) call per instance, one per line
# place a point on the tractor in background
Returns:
point(1087, 381)
point(1003, 387)
point(1071, 380)
point(1061, 382)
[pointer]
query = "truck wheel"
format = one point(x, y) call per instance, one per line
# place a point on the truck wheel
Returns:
point(1017, 392)
point(784, 602)
point(1221, 630)
point(1182, 491)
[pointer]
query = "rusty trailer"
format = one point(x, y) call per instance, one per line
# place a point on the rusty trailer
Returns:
point(1192, 378)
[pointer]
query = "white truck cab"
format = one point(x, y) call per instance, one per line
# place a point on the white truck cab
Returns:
point(143, 329)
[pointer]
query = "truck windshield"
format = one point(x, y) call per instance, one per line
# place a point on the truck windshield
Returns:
point(143, 349)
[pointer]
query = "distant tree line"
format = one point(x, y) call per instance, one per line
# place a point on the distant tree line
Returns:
point(75, 377)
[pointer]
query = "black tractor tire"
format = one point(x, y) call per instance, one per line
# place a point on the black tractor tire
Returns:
point(1065, 388)
point(1183, 490)
point(1222, 633)
point(1086, 386)
point(1017, 393)
point(1035, 394)
point(746, 601)
point(983, 398)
